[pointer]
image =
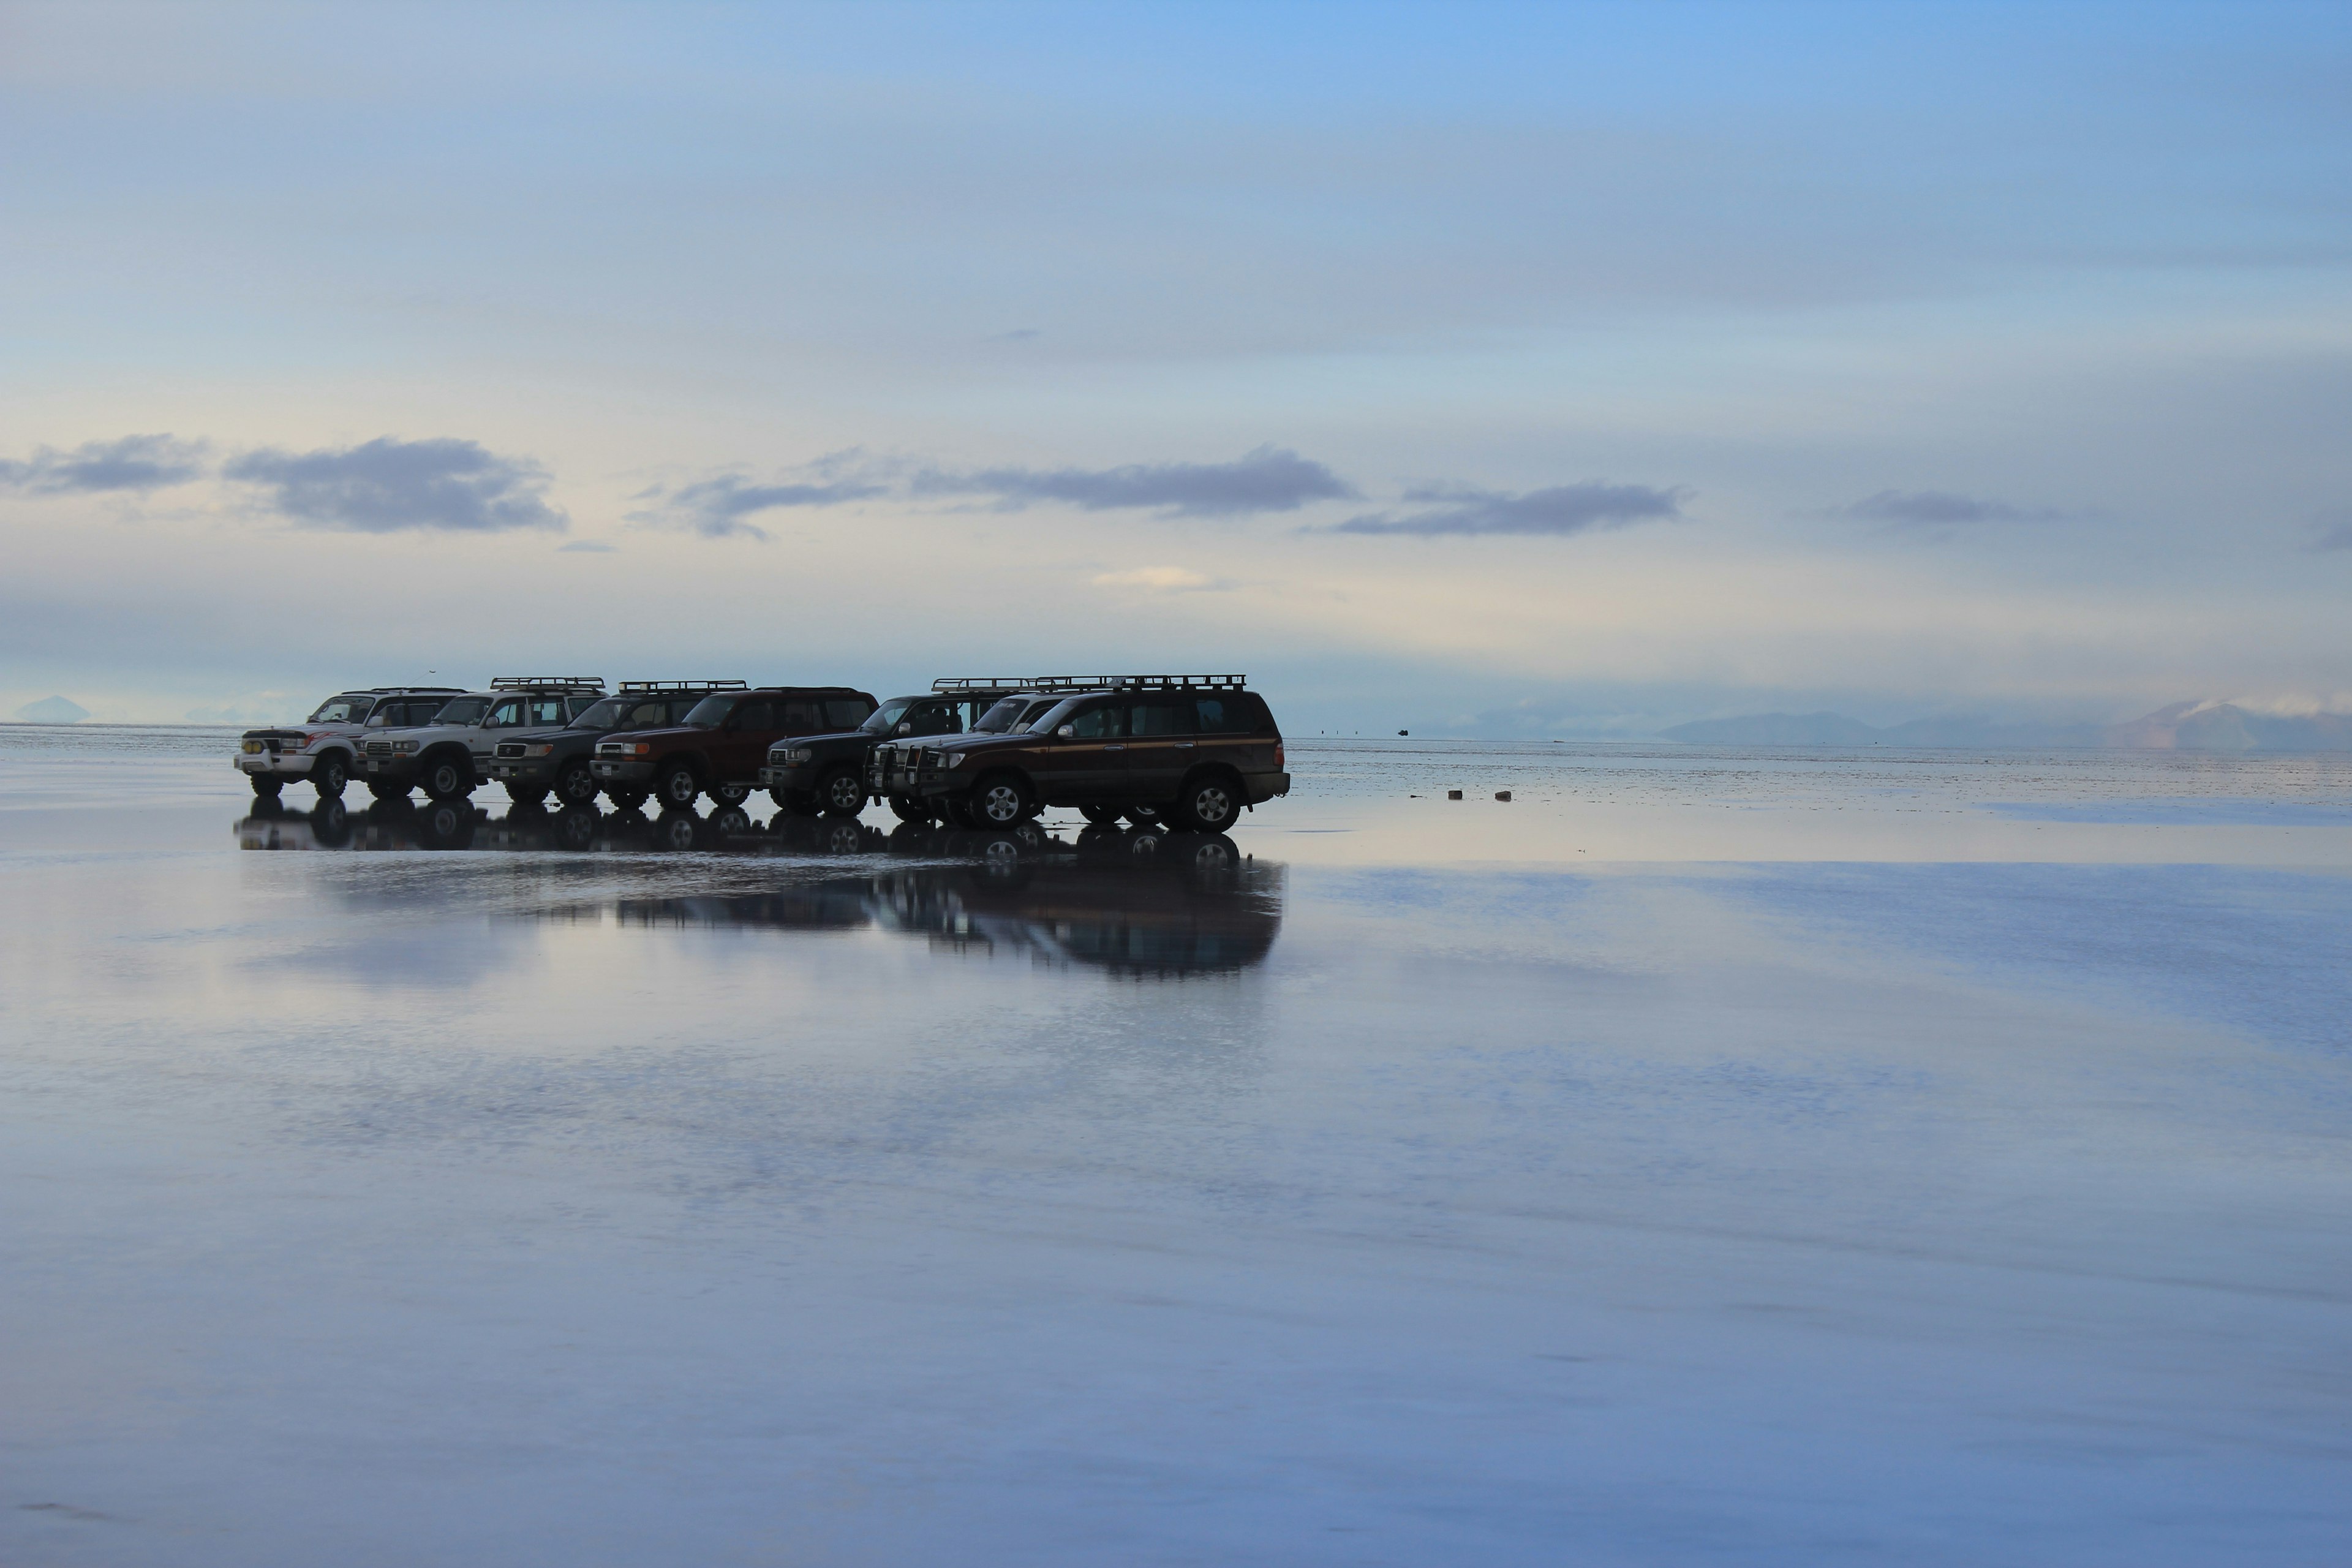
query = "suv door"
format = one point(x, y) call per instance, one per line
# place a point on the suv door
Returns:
point(1092, 763)
point(506, 713)
point(738, 746)
point(1161, 747)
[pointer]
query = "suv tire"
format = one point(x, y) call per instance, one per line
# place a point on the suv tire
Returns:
point(1146, 815)
point(329, 774)
point(1210, 802)
point(730, 794)
point(386, 791)
point(267, 786)
point(1101, 813)
point(841, 792)
point(675, 786)
point(577, 782)
point(792, 803)
point(909, 809)
point(527, 795)
point(1001, 800)
point(449, 778)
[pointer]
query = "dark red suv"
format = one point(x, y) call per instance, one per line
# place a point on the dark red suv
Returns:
point(720, 745)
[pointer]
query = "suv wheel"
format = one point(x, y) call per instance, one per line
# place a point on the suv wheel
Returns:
point(730, 794)
point(577, 782)
point(842, 793)
point(449, 778)
point(266, 786)
point(1146, 815)
point(909, 809)
point(675, 786)
point(1208, 803)
point(1000, 801)
point(329, 774)
point(1102, 814)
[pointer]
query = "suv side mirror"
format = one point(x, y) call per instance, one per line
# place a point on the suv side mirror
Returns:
point(1068, 731)
point(906, 730)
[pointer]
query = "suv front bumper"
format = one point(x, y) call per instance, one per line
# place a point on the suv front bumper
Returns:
point(285, 765)
point(624, 770)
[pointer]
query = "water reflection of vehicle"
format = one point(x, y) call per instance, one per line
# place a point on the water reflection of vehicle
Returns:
point(1135, 902)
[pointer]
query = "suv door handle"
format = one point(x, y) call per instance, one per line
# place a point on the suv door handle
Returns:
point(1114, 748)
point(1185, 745)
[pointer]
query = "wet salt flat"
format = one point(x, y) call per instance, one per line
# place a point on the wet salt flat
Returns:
point(1781, 1156)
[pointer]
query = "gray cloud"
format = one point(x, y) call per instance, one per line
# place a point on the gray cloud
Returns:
point(1941, 510)
point(132, 463)
point(2332, 529)
point(1267, 480)
point(386, 485)
point(716, 507)
point(584, 547)
point(1558, 510)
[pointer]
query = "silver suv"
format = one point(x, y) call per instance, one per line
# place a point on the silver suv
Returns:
point(452, 754)
point(325, 749)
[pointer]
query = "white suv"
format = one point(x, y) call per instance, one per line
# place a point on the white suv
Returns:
point(451, 756)
point(325, 749)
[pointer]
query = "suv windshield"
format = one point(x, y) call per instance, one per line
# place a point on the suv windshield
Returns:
point(1000, 719)
point(710, 713)
point(463, 710)
point(603, 715)
point(886, 716)
point(341, 710)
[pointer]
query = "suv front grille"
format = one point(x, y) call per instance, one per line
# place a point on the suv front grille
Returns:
point(511, 748)
point(379, 748)
point(611, 749)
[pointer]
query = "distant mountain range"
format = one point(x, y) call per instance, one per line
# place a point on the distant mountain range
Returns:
point(2184, 726)
point(53, 711)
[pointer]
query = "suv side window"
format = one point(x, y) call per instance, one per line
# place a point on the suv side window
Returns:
point(1238, 715)
point(935, 719)
point(800, 717)
point(759, 714)
point(846, 713)
point(1160, 716)
point(505, 716)
point(550, 710)
point(1107, 722)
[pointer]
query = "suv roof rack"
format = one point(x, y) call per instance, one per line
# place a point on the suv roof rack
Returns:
point(541, 682)
point(1088, 683)
point(391, 690)
point(682, 685)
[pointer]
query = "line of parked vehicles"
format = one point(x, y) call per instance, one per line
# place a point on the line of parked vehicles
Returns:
point(1192, 752)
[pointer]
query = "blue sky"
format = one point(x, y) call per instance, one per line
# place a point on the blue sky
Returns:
point(1562, 370)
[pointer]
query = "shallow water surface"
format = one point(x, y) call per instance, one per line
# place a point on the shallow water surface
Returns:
point(1779, 1157)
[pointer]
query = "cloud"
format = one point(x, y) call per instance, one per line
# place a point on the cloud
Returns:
point(1161, 580)
point(385, 486)
point(716, 507)
point(2332, 531)
point(1940, 510)
point(132, 463)
point(1557, 511)
point(1269, 479)
point(584, 547)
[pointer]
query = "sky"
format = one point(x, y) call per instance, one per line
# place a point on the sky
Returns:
point(1573, 369)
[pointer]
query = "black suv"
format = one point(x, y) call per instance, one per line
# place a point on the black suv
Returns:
point(811, 773)
point(1197, 749)
point(564, 762)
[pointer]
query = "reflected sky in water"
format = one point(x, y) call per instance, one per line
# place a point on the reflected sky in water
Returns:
point(509, 1187)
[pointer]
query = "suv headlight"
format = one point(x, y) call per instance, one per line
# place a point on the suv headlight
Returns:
point(803, 753)
point(952, 759)
point(403, 747)
point(540, 750)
